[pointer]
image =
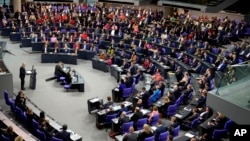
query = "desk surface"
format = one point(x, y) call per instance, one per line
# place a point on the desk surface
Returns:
point(57, 126)
point(76, 76)
point(17, 129)
point(115, 108)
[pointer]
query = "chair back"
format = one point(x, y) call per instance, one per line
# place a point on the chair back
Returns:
point(6, 97)
point(190, 95)
point(176, 131)
point(126, 92)
point(126, 126)
point(219, 134)
point(163, 136)
point(109, 118)
point(140, 123)
point(19, 112)
point(41, 135)
point(228, 125)
point(179, 101)
point(155, 119)
point(171, 110)
point(4, 138)
point(150, 138)
point(150, 101)
point(35, 124)
point(194, 123)
point(133, 88)
point(55, 139)
point(12, 106)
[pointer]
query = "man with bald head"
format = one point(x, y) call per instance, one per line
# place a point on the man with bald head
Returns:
point(22, 73)
point(131, 136)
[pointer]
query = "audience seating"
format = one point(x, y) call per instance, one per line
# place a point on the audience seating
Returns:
point(219, 134)
point(126, 126)
point(140, 123)
point(150, 138)
point(176, 131)
point(108, 120)
point(41, 135)
point(4, 138)
point(154, 120)
point(55, 139)
point(171, 110)
point(163, 136)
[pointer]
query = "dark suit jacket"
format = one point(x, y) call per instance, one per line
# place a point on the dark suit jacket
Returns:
point(158, 131)
point(123, 120)
point(22, 73)
point(64, 135)
point(143, 135)
point(58, 71)
point(136, 116)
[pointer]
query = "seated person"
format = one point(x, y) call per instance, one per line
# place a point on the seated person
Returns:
point(59, 70)
point(123, 119)
point(20, 101)
point(153, 113)
point(68, 78)
point(146, 64)
point(138, 75)
point(188, 121)
point(201, 101)
point(172, 125)
point(159, 129)
point(145, 133)
point(64, 134)
point(108, 103)
point(139, 104)
point(205, 114)
point(43, 128)
point(167, 102)
point(123, 109)
point(156, 93)
point(144, 95)
point(53, 39)
point(9, 133)
point(157, 77)
point(136, 116)
point(131, 136)
point(102, 55)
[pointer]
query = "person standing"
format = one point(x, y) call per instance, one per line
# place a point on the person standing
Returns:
point(22, 73)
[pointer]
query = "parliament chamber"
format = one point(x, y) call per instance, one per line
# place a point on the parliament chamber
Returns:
point(123, 73)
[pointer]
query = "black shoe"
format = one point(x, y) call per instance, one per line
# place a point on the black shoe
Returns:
point(23, 89)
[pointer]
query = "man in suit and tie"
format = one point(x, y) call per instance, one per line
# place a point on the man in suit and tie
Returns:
point(85, 45)
point(64, 135)
point(160, 129)
point(22, 73)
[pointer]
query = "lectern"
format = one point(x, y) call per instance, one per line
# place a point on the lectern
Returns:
point(33, 79)
point(94, 104)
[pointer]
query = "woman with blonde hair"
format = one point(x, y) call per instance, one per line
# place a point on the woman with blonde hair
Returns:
point(19, 138)
point(145, 133)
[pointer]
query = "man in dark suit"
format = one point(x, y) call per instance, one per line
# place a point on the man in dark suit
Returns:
point(64, 135)
point(136, 116)
point(131, 136)
point(123, 119)
point(58, 70)
point(144, 96)
point(160, 129)
point(22, 73)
